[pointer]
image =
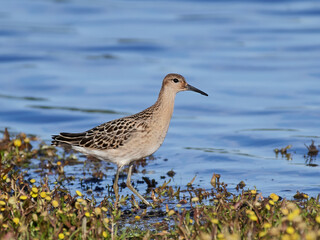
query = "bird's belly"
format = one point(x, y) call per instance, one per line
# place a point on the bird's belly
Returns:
point(120, 157)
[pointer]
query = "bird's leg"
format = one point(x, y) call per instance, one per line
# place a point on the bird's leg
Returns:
point(129, 185)
point(115, 185)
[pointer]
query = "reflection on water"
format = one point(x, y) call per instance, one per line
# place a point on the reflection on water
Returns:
point(99, 61)
point(23, 98)
point(269, 129)
point(77, 109)
point(225, 151)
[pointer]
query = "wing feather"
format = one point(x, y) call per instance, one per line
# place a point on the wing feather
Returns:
point(110, 135)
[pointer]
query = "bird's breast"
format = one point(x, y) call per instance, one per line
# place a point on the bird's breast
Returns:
point(155, 136)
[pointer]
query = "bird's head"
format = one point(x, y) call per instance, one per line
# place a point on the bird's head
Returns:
point(177, 83)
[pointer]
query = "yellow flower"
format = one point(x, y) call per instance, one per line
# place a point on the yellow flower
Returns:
point(253, 218)
point(4, 196)
point(5, 225)
point(104, 234)
point(295, 213)
point(12, 201)
point(55, 203)
point(137, 218)
point(17, 142)
point(262, 234)
point(286, 237)
point(61, 236)
point(104, 209)
point(267, 225)
point(35, 217)
point(27, 140)
point(32, 180)
point(318, 219)
point(48, 198)
point(59, 163)
point(291, 216)
point(285, 211)
point(43, 194)
point(250, 212)
point(220, 236)
point(2, 203)
point(195, 199)
point(87, 214)
point(82, 202)
point(254, 191)
point(215, 221)
point(23, 197)
point(79, 193)
point(190, 221)
point(97, 211)
point(171, 212)
point(290, 230)
point(35, 190)
point(16, 220)
point(291, 206)
point(106, 220)
point(4, 177)
point(305, 196)
point(311, 236)
point(268, 207)
point(34, 195)
point(274, 197)
point(271, 202)
point(77, 205)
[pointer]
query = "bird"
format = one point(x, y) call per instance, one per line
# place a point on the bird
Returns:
point(125, 140)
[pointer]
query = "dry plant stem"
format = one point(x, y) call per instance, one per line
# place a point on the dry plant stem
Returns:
point(84, 228)
point(112, 228)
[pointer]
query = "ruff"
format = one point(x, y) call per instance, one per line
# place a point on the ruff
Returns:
point(124, 140)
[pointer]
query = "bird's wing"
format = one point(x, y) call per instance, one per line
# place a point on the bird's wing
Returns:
point(110, 135)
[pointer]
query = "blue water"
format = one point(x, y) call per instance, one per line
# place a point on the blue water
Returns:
point(70, 65)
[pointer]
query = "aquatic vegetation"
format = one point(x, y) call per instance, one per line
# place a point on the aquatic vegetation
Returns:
point(284, 152)
point(312, 149)
point(35, 208)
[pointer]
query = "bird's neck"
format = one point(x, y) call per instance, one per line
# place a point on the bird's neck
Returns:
point(165, 104)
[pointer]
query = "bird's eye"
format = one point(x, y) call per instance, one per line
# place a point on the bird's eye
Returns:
point(175, 80)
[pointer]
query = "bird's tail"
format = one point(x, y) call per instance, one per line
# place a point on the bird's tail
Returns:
point(64, 139)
